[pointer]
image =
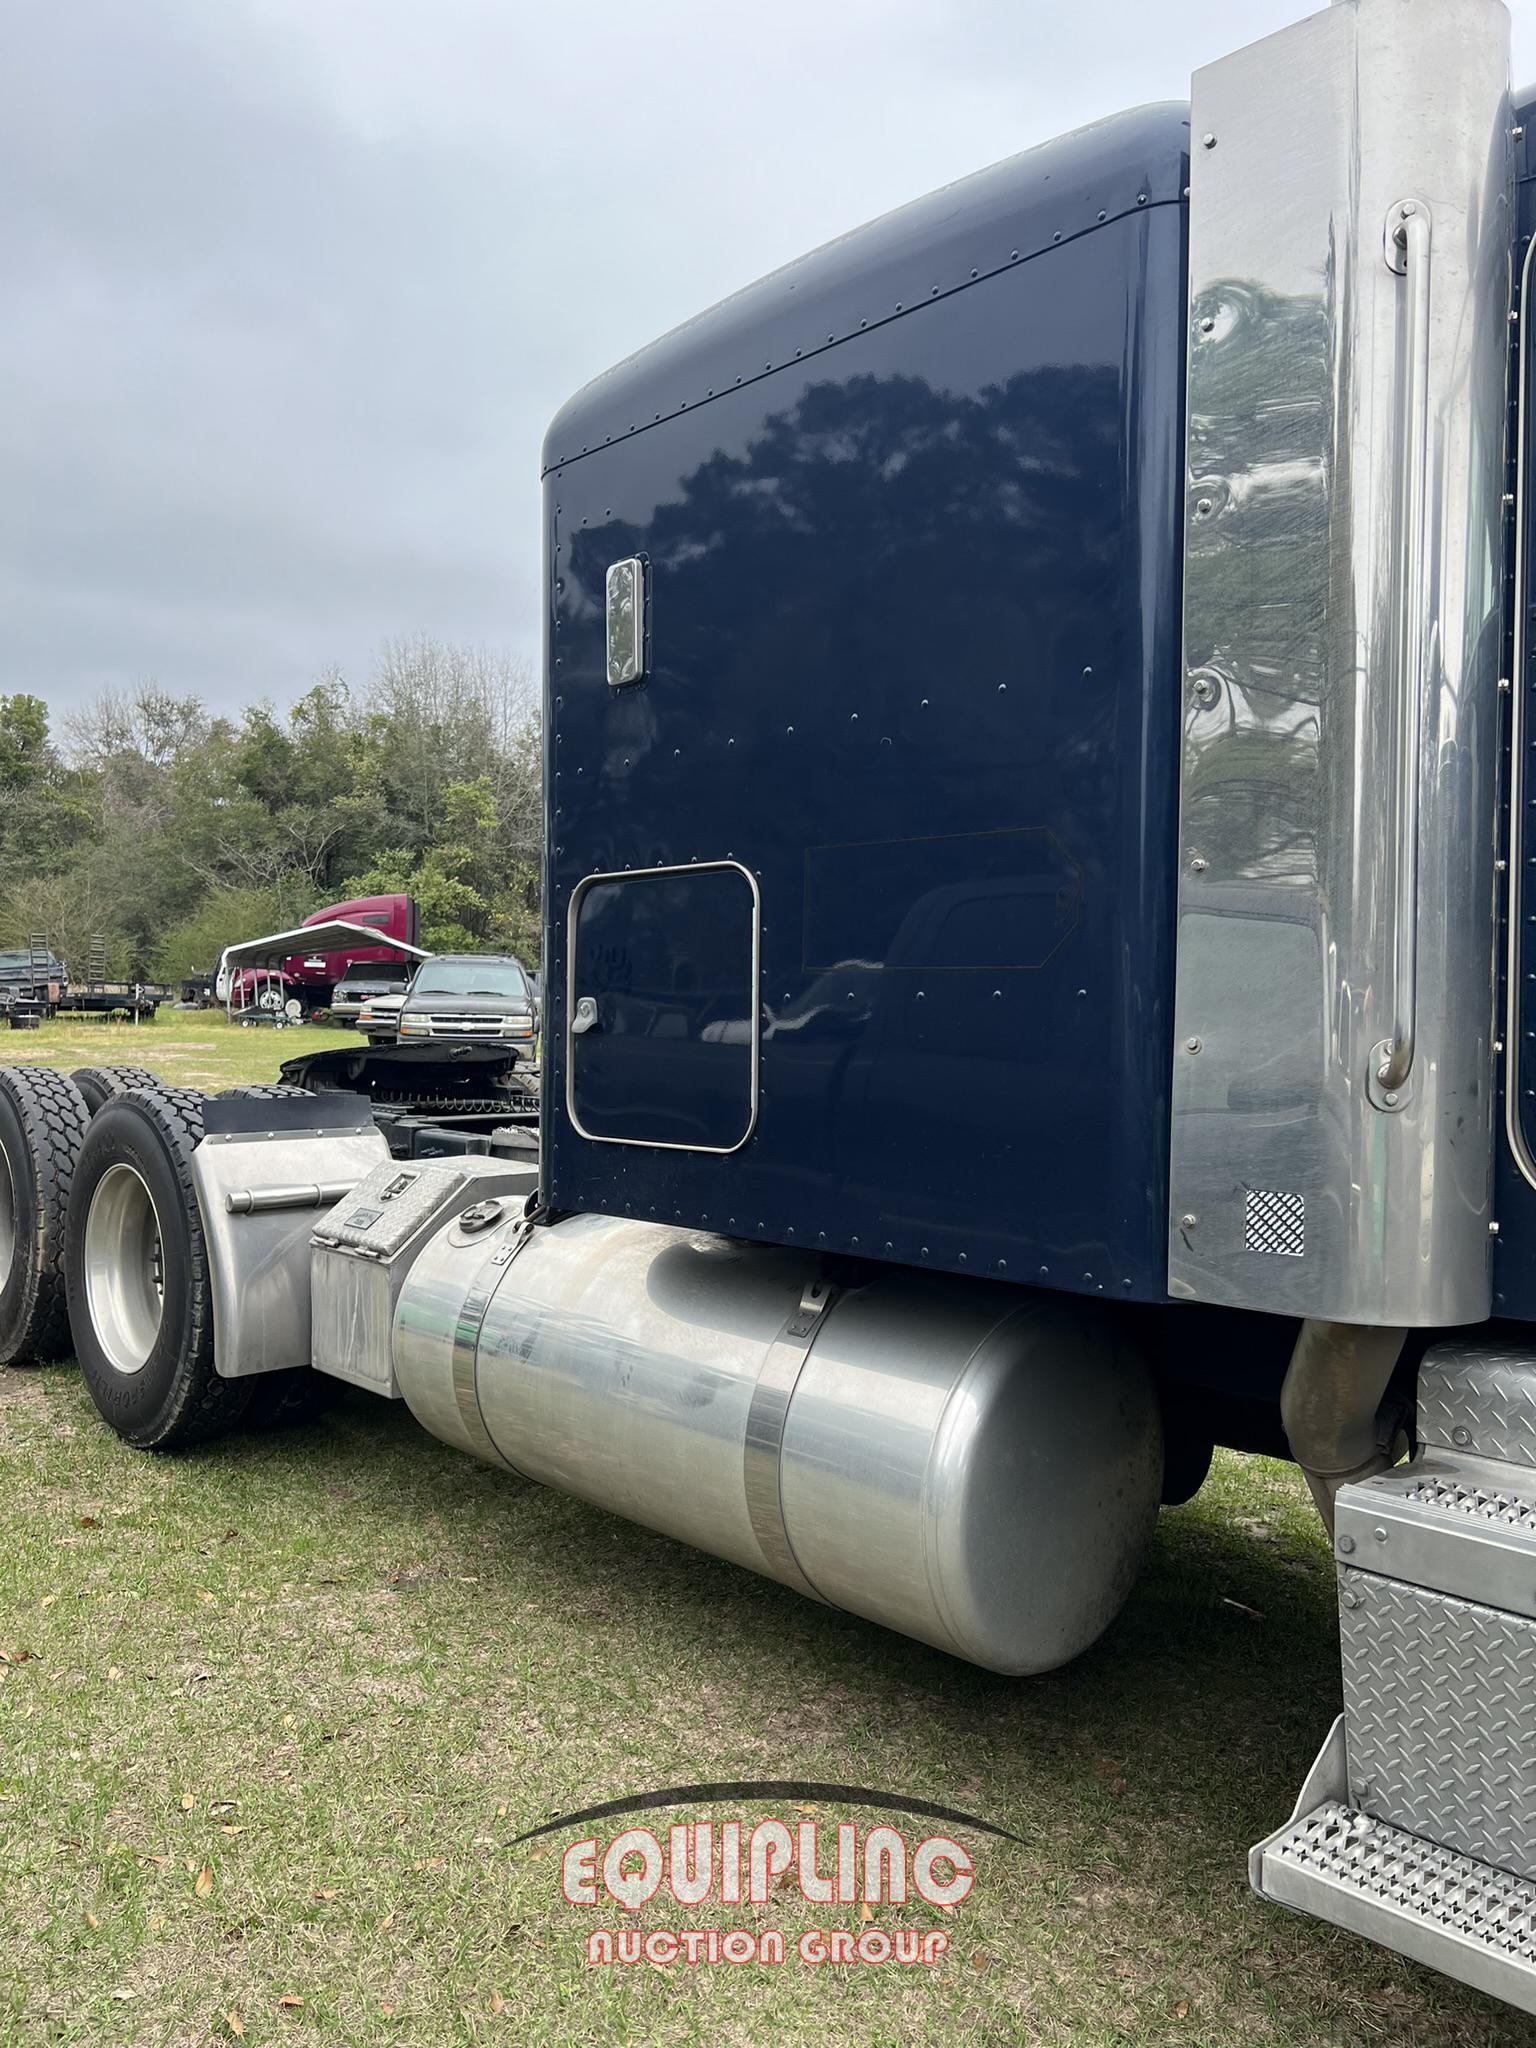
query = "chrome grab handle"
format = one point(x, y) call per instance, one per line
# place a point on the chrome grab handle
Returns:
point(1407, 252)
point(319, 1194)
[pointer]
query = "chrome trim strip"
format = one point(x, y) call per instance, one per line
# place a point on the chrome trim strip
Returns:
point(691, 867)
point(1519, 683)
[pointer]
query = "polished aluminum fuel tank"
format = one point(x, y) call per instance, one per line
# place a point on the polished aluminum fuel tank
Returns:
point(971, 1464)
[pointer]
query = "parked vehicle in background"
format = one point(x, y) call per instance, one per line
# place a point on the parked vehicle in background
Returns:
point(364, 982)
point(477, 997)
point(32, 977)
point(311, 978)
point(379, 1018)
point(100, 994)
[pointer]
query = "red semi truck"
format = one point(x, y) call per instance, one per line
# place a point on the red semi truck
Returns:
point(310, 977)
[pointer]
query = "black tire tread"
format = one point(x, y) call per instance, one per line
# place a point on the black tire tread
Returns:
point(100, 1084)
point(53, 1113)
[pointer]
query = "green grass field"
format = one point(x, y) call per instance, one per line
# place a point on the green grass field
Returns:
point(271, 1713)
point(187, 1048)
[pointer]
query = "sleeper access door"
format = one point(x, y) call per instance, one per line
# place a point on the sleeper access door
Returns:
point(661, 1009)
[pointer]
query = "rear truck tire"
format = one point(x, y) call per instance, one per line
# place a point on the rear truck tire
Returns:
point(139, 1290)
point(43, 1119)
point(100, 1084)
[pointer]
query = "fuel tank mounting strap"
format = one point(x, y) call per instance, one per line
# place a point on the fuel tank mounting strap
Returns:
point(466, 1338)
point(776, 1381)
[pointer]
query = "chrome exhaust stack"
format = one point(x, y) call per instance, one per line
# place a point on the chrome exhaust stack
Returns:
point(969, 1464)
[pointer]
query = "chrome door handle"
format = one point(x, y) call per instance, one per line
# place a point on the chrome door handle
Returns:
point(1407, 253)
point(584, 1017)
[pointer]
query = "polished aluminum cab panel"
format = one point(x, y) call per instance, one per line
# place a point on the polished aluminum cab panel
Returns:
point(1350, 239)
point(967, 1463)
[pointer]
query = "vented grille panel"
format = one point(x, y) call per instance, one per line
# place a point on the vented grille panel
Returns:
point(1275, 1221)
point(1480, 1503)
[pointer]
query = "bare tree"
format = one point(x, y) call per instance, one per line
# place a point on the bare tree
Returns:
point(288, 853)
point(147, 723)
point(456, 714)
point(69, 910)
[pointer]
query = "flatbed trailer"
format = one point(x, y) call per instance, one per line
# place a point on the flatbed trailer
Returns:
point(1040, 970)
point(136, 1000)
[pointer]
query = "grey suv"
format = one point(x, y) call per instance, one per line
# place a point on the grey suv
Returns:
point(479, 997)
point(364, 982)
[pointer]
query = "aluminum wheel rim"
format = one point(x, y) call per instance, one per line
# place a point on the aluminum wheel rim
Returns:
point(7, 1218)
point(124, 1268)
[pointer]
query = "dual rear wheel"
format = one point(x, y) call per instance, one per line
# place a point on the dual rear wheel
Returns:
point(44, 1116)
point(43, 1119)
point(102, 1253)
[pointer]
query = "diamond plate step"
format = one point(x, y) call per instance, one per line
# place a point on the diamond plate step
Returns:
point(1466, 1919)
point(1460, 1524)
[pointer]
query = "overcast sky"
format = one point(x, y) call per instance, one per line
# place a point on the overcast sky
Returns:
point(292, 287)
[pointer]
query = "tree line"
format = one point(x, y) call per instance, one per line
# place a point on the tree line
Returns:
point(172, 832)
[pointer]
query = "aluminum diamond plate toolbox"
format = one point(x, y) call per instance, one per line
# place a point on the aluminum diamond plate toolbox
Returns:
point(385, 1211)
point(1440, 1717)
point(362, 1249)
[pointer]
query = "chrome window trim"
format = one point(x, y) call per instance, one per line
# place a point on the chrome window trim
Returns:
point(692, 867)
point(1514, 1135)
